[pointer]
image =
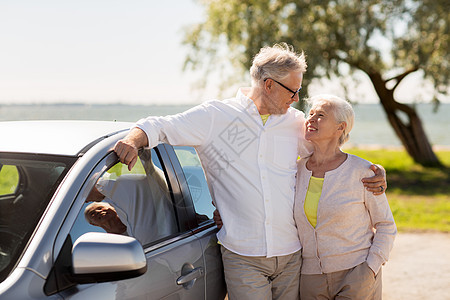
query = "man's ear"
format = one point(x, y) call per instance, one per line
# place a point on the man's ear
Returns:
point(268, 84)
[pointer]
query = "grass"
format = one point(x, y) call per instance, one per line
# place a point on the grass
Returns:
point(419, 197)
point(9, 179)
point(421, 214)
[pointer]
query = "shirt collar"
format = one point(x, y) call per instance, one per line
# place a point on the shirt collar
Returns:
point(249, 104)
point(241, 97)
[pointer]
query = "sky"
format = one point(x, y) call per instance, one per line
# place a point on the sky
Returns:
point(98, 51)
point(109, 51)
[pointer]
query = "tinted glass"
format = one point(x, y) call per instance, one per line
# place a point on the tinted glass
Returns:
point(136, 203)
point(27, 183)
point(196, 181)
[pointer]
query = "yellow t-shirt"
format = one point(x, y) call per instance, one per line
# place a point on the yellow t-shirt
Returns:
point(312, 199)
point(264, 118)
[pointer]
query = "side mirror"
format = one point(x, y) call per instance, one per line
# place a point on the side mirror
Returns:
point(101, 257)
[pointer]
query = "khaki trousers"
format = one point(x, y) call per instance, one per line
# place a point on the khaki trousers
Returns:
point(259, 278)
point(355, 283)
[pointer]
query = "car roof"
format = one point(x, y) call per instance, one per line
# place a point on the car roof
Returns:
point(55, 137)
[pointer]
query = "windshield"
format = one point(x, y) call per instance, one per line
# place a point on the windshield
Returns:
point(27, 183)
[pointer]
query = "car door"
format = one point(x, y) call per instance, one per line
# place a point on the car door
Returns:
point(199, 205)
point(175, 263)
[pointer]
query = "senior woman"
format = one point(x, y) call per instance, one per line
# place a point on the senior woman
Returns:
point(346, 232)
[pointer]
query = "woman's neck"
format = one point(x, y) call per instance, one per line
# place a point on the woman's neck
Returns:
point(325, 158)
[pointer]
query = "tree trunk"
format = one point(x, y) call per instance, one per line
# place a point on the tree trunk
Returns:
point(411, 133)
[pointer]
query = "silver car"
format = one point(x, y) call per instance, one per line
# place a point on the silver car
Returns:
point(55, 243)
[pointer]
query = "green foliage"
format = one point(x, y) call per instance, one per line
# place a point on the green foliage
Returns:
point(339, 37)
point(9, 178)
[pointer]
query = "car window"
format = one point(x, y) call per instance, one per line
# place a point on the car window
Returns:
point(136, 203)
point(27, 183)
point(196, 182)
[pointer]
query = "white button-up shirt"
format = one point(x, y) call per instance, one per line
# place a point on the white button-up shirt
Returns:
point(250, 168)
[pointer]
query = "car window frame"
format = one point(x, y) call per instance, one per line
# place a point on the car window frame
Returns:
point(184, 189)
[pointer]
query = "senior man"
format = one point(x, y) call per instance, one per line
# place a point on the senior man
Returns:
point(248, 146)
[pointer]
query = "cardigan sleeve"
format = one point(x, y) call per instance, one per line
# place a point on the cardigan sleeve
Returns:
point(385, 229)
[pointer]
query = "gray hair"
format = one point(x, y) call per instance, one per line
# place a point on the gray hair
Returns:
point(342, 110)
point(276, 62)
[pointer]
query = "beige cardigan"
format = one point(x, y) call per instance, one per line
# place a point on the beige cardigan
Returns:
point(353, 225)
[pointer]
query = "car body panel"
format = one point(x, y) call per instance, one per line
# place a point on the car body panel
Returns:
point(163, 269)
point(55, 137)
point(24, 284)
point(90, 143)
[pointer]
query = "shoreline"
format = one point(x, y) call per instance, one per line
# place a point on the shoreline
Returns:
point(389, 147)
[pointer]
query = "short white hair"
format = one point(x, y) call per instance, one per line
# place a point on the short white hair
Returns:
point(342, 111)
point(276, 62)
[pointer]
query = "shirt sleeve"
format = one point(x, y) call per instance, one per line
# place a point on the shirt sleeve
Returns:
point(190, 128)
point(119, 197)
point(385, 230)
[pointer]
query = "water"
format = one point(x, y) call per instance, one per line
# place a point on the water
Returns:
point(371, 126)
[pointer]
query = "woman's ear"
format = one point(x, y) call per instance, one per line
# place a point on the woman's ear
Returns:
point(342, 126)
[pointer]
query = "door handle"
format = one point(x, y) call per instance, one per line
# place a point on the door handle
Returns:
point(188, 278)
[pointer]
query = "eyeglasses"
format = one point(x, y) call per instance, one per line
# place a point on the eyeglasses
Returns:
point(293, 92)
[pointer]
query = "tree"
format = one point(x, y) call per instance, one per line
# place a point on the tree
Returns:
point(385, 39)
